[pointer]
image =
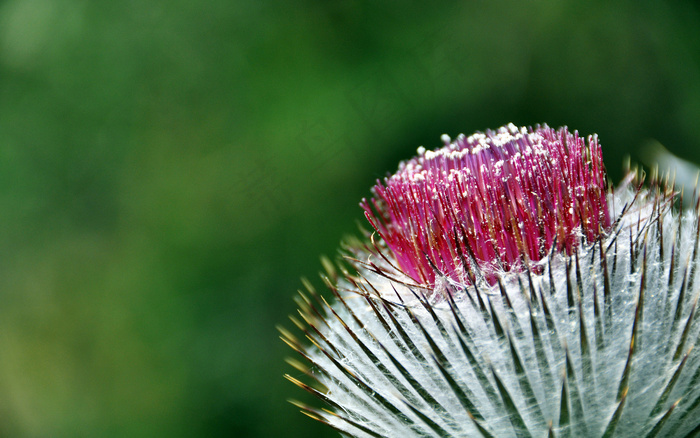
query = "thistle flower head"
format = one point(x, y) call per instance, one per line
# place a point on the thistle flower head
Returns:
point(510, 294)
point(498, 199)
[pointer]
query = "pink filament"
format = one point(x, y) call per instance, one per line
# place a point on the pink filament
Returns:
point(491, 201)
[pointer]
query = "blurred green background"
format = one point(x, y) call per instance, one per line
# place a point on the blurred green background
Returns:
point(170, 169)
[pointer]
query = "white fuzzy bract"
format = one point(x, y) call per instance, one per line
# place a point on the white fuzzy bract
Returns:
point(598, 343)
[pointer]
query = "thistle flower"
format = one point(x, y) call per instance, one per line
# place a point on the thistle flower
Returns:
point(509, 292)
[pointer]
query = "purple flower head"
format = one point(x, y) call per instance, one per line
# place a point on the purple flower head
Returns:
point(491, 201)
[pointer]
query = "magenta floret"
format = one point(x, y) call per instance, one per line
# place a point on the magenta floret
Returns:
point(492, 201)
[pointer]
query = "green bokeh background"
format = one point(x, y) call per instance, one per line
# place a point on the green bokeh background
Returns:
point(170, 169)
